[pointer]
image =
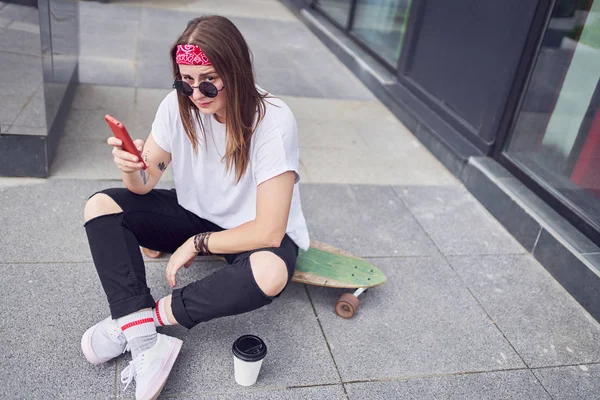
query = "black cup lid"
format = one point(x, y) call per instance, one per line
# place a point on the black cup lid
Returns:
point(249, 348)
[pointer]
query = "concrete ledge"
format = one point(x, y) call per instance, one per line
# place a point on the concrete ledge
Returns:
point(570, 257)
point(31, 155)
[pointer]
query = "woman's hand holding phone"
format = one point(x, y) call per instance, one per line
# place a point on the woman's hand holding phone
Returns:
point(125, 161)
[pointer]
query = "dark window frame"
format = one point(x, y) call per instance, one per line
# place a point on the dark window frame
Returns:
point(518, 91)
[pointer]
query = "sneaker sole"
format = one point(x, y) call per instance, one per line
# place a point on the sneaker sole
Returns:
point(160, 381)
point(86, 347)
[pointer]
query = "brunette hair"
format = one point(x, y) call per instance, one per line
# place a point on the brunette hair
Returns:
point(245, 107)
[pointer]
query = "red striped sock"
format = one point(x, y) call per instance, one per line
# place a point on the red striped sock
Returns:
point(160, 315)
point(137, 324)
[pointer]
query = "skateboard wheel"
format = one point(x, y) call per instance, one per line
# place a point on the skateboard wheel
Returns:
point(347, 305)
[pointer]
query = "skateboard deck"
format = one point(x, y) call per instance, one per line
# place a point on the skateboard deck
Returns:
point(326, 265)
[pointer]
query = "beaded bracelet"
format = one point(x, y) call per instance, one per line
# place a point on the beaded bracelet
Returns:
point(201, 243)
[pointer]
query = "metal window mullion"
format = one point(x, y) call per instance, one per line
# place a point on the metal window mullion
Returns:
point(351, 16)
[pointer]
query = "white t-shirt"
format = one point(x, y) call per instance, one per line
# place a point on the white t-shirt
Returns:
point(204, 188)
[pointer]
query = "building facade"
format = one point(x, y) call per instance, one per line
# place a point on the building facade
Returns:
point(506, 94)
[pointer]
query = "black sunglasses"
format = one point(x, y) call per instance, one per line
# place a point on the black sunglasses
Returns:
point(206, 88)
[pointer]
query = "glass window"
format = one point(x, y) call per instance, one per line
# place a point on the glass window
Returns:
point(381, 25)
point(338, 10)
point(556, 138)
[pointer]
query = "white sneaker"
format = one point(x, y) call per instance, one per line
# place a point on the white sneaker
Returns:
point(151, 368)
point(103, 341)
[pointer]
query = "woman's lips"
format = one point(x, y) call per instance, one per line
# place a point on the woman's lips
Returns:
point(204, 104)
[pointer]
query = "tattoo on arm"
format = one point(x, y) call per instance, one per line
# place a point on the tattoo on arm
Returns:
point(145, 176)
point(162, 166)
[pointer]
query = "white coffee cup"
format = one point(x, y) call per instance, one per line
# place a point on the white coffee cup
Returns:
point(249, 352)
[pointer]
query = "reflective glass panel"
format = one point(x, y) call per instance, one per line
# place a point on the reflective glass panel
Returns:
point(338, 10)
point(381, 25)
point(556, 138)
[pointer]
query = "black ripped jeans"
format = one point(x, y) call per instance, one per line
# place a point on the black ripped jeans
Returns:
point(156, 221)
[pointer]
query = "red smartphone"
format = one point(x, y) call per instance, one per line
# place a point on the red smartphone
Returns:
point(121, 133)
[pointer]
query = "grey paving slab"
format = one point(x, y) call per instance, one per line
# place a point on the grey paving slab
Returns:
point(456, 222)
point(294, 35)
point(366, 165)
point(365, 220)
point(289, 72)
point(90, 124)
point(275, 56)
point(546, 326)
point(121, 45)
point(110, 98)
point(106, 71)
point(84, 159)
point(507, 385)
point(148, 100)
point(251, 8)
point(154, 73)
point(283, 81)
point(164, 25)
point(4, 22)
point(156, 48)
point(342, 84)
point(320, 109)
point(333, 392)
point(109, 11)
point(88, 121)
point(100, 24)
point(329, 134)
point(47, 311)
point(571, 383)
point(205, 363)
point(44, 223)
point(423, 321)
point(91, 158)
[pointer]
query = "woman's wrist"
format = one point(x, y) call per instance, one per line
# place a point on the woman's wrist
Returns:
point(200, 243)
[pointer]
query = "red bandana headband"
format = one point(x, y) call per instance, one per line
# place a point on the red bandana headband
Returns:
point(190, 54)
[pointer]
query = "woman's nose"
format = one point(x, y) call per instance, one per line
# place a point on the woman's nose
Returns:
point(197, 95)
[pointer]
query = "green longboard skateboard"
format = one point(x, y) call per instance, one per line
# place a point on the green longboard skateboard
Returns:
point(325, 265)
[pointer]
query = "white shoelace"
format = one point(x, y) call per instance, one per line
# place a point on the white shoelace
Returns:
point(130, 371)
point(116, 335)
point(128, 374)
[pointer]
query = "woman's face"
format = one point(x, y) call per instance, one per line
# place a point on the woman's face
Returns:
point(193, 75)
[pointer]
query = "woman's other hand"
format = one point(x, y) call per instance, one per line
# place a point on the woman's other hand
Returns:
point(183, 257)
point(125, 161)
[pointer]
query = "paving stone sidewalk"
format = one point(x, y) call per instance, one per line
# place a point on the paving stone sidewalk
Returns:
point(467, 313)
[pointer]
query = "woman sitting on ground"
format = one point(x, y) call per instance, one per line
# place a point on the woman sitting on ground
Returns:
point(234, 153)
